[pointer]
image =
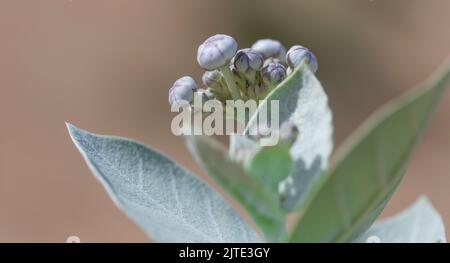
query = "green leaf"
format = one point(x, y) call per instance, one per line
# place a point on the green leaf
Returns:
point(420, 223)
point(271, 165)
point(369, 166)
point(302, 101)
point(259, 202)
point(166, 201)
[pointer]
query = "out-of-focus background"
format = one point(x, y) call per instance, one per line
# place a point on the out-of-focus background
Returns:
point(106, 66)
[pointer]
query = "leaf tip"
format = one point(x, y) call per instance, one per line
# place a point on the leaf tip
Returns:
point(76, 134)
point(424, 201)
point(70, 127)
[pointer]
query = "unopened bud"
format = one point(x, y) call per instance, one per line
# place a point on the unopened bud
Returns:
point(216, 51)
point(273, 73)
point(182, 90)
point(270, 48)
point(212, 79)
point(297, 54)
point(247, 61)
point(271, 60)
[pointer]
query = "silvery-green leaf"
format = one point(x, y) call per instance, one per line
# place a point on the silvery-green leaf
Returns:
point(303, 101)
point(166, 201)
point(368, 168)
point(260, 202)
point(420, 223)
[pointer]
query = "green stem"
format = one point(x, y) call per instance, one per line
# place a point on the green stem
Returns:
point(225, 90)
point(229, 78)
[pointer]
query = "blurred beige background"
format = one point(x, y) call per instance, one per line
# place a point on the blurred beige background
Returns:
point(106, 66)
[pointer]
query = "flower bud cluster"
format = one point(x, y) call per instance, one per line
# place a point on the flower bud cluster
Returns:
point(249, 73)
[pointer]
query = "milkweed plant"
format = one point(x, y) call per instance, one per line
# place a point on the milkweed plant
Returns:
point(277, 162)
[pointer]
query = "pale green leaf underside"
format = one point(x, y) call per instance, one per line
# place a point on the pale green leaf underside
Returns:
point(260, 203)
point(166, 201)
point(271, 165)
point(302, 101)
point(369, 167)
point(420, 223)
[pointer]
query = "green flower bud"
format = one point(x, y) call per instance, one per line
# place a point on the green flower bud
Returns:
point(216, 51)
point(297, 54)
point(182, 91)
point(270, 48)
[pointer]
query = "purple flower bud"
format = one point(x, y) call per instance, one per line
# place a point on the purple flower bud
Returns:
point(247, 60)
point(297, 54)
point(216, 51)
point(273, 73)
point(271, 60)
point(182, 90)
point(270, 48)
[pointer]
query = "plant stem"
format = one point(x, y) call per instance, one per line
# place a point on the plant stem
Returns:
point(229, 78)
